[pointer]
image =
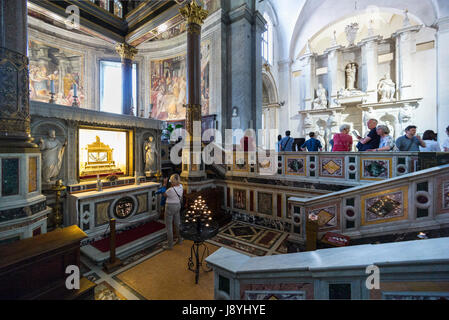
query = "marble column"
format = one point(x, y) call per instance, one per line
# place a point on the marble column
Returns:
point(23, 209)
point(245, 63)
point(369, 67)
point(14, 83)
point(308, 79)
point(192, 165)
point(336, 79)
point(442, 47)
point(127, 54)
point(405, 50)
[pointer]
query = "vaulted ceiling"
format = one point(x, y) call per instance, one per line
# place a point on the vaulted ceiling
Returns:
point(140, 23)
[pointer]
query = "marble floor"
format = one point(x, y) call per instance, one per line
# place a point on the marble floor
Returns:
point(158, 274)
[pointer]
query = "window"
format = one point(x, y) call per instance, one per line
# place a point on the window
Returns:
point(267, 41)
point(111, 86)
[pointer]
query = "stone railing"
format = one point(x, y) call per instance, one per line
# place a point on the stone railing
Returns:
point(343, 168)
point(408, 270)
point(413, 202)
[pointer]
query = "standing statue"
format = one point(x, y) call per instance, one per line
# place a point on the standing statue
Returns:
point(321, 101)
point(52, 154)
point(150, 153)
point(351, 73)
point(386, 89)
point(308, 124)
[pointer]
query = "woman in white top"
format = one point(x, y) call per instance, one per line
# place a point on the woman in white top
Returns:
point(386, 141)
point(430, 138)
point(445, 145)
point(172, 209)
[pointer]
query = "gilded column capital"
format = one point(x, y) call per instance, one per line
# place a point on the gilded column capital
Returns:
point(193, 13)
point(126, 51)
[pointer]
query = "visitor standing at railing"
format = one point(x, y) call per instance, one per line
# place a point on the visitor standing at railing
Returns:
point(410, 142)
point(312, 145)
point(386, 141)
point(278, 144)
point(372, 140)
point(172, 209)
point(162, 190)
point(446, 142)
point(342, 140)
point(430, 138)
point(286, 143)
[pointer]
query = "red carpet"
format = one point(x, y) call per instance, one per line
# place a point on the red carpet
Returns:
point(129, 235)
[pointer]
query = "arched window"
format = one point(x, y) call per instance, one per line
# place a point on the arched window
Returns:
point(267, 41)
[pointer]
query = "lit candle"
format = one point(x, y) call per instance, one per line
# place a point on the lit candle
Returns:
point(52, 86)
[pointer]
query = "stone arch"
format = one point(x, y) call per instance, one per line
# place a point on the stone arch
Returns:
point(269, 89)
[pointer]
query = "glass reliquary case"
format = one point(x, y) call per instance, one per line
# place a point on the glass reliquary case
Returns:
point(104, 152)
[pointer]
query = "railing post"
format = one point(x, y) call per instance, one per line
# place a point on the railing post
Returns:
point(311, 234)
point(114, 263)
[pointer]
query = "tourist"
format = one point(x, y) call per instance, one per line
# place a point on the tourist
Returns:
point(162, 190)
point(430, 138)
point(372, 140)
point(386, 141)
point(342, 140)
point(248, 142)
point(278, 144)
point(410, 142)
point(313, 144)
point(286, 143)
point(445, 145)
point(172, 209)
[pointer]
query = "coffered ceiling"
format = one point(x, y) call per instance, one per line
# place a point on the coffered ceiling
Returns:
point(142, 20)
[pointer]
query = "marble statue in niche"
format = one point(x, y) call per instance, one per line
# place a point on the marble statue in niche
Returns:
point(386, 89)
point(150, 153)
point(52, 153)
point(351, 76)
point(321, 101)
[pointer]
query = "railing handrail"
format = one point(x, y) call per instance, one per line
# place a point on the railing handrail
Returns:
point(427, 172)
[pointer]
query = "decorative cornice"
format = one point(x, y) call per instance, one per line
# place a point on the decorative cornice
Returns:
point(126, 51)
point(193, 13)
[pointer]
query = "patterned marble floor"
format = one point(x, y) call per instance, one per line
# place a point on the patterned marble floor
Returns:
point(138, 278)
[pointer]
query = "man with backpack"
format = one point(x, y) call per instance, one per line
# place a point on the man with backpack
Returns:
point(286, 144)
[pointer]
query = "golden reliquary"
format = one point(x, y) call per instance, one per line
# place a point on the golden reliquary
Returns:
point(99, 160)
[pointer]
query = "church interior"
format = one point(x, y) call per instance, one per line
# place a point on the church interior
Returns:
point(109, 108)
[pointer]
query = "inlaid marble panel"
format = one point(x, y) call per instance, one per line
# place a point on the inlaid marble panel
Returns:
point(295, 166)
point(443, 194)
point(143, 203)
point(10, 177)
point(385, 206)
point(265, 203)
point(240, 199)
point(101, 213)
point(332, 167)
point(328, 215)
point(375, 169)
point(275, 295)
point(32, 174)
